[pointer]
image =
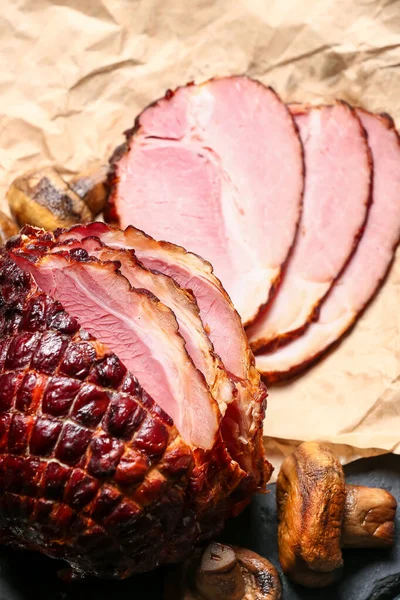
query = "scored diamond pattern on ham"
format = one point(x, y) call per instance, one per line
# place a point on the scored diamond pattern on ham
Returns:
point(81, 444)
point(94, 471)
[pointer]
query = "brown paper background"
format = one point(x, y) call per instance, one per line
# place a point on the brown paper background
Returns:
point(73, 74)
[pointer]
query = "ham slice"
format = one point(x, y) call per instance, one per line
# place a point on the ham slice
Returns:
point(182, 303)
point(191, 272)
point(217, 168)
point(139, 329)
point(219, 318)
point(367, 269)
point(186, 311)
point(336, 200)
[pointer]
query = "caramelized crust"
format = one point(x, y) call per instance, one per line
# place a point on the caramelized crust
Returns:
point(92, 471)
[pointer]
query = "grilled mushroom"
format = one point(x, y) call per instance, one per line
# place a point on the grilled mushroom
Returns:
point(8, 228)
point(42, 198)
point(319, 514)
point(91, 186)
point(224, 573)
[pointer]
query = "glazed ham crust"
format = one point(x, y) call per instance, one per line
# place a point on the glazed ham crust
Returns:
point(92, 470)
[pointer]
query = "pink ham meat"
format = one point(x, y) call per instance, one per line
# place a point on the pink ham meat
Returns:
point(336, 201)
point(367, 269)
point(182, 303)
point(217, 168)
point(186, 311)
point(219, 318)
point(139, 329)
point(93, 471)
point(191, 272)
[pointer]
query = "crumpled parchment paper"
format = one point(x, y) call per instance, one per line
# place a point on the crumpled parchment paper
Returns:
point(73, 74)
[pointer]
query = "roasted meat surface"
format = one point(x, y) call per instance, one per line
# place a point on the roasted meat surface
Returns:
point(93, 470)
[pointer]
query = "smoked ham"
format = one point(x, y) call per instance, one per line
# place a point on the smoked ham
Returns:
point(219, 318)
point(128, 486)
point(84, 451)
point(184, 306)
point(218, 169)
point(335, 206)
point(366, 270)
point(142, 331)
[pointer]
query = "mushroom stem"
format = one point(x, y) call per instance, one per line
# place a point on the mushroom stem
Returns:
point(219, 576)
point(368, 520)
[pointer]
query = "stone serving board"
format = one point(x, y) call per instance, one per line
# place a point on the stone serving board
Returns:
point(367, 574)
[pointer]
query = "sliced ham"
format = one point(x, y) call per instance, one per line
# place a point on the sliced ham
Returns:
point(218, 169)
point(182, 303)
point(219, 318)
point(198, 345)
point(336, 200)
point(139, 329)
point(367, 269)
point(191, 272)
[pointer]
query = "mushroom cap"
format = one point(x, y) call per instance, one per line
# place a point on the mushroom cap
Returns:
point(43, 199)
point(311, 497)
point(223, 573)
point(261, 578)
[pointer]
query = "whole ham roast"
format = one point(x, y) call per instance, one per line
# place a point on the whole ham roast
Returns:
point(131, 409)
point(125, 437)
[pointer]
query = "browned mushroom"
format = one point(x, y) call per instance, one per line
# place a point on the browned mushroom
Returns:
point(91, 186)
point(8, 228)
point(223, 573)
point(42, 198)
point(319, 514)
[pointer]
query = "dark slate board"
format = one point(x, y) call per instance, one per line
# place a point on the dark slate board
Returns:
point(368, 574)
